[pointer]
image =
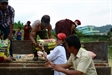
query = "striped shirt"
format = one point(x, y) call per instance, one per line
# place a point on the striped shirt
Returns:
point(7, 17)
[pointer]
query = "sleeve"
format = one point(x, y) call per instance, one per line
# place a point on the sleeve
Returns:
point(83, 64)
point(12, 15)
point(1, 59)
point(53, 54)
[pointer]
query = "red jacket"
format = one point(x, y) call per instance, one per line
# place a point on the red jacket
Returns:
point(27, 32)
point(1, 59)
point(64, 26)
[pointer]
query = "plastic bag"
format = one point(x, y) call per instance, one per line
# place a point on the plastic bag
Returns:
point(4, 48)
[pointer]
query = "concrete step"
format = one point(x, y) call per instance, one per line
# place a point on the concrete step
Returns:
point(23, 64)
point(38, 68)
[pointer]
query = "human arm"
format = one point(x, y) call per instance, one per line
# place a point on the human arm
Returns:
point(10, 34)
point(50, 32)
point(19, 33)
point(33, 34)
point(72, 28)
point(61, 68)
point(8, 59)
point(50, 64)
point(54, 54)
point(81, 65)
point(12, 15)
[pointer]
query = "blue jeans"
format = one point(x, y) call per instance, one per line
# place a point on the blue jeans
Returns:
point(6, 32)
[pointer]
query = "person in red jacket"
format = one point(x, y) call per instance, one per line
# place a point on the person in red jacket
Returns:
point(66, 26)
point(2, 59)
point(27, 29)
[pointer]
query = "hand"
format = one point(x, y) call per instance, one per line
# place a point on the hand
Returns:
point(37, 45)
point(42, 46)
point(45, 55)
point(8, 59)
point(56, 67)
point(39, 53)
point(10, 36)
point(48, 64)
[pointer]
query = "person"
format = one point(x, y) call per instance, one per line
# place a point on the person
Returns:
point(7, 59)
point(80, 59)
point(39, 29)
point(14, 35)
point(27, 29)
point(19, 34)
point(66, 26)
point(7, 14)
point(58, 54)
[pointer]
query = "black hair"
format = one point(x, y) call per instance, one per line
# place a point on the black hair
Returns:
point(73, 40)
point(67, 53)
point(19, 28)
point(13, 31)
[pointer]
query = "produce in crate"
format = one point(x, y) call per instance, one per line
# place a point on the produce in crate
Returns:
point(49, 44)
point(4, 47)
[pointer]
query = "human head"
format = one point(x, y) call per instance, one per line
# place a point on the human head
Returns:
point(19, 28)
point(72, 41)
point(77, 22)
point(28, 22)
point(13, 31)
point(3, 4)
point(60, 38)
point(45, 20)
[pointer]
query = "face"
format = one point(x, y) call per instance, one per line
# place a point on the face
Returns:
point(3, 5)
point(76, 23)
point(58, 41)
point(67, 47)
point(44, 27)
point(19, 29)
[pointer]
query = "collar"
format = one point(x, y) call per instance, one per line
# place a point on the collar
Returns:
point(79, 53)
